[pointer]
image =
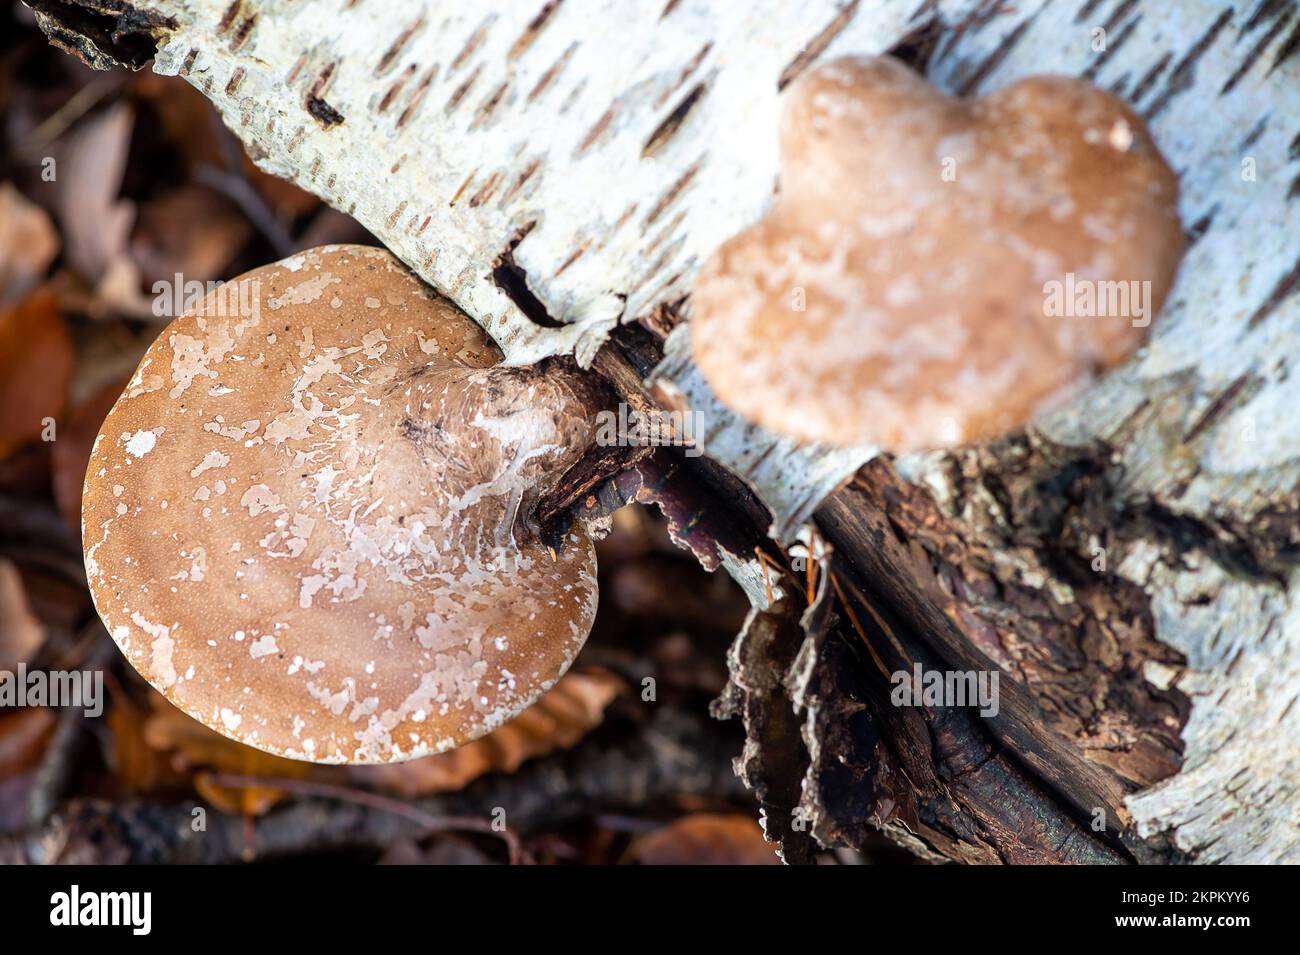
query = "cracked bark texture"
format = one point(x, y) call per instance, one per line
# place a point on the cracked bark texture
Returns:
point(561, 166)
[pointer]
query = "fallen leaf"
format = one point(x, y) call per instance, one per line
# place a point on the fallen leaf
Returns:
point(574, 707)
point(36, 360)
point(28, 244)
point(23, 735)
point(137, 766)
point(26, 471)
point(194, 747)
point(284, 197)
point(189, 122)
point(96, 224)
point(189, 230)
point(242, 800)
point(118, 292)
point(21, 633)
point(705, 839)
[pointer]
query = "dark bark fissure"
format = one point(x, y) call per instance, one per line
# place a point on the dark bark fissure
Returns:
point(102, 33)
point(673, 122)
point(511, 279)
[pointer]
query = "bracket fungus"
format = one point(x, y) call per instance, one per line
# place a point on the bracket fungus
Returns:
point(938, 270)
point(307, 519)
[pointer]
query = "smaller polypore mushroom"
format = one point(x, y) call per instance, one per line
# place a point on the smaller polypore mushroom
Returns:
point(306, 520)
point(937, 270)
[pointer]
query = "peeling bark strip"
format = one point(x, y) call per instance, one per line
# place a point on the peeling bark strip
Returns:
point(1074, 704)
point(103, 34)
point(774, 761)
point(930, 776)
point(1190, 496)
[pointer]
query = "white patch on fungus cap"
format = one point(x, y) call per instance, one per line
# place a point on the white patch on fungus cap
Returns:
point(141, 443)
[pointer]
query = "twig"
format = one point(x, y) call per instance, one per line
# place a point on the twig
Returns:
point(62, 755)
point(32, 533)
point(62, 119)
point(880, 621)
point(670, 756)
point(241, 192)
point(431, 823)
point(853, 618)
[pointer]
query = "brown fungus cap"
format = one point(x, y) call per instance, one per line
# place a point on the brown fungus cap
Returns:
point(304, 520)
point(931, 272)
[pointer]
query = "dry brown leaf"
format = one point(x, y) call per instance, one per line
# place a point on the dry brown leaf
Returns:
point(558, 720)
point(189, 122)
point(118, 292)
point(96, 224)
point(137, 766)
point(36, 360)
point(21, 633)
point(23, 735)
point(192, 746)
point(280, 194)
point(28, 244)
point(26, 471)
point(242, 800)
point(190, 231)
point(72, 449)
point(705, 839)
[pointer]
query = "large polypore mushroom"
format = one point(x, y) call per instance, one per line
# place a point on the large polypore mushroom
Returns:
point(306, 521)
point(938, 270)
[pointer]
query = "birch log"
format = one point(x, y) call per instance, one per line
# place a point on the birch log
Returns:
point(560, 168)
